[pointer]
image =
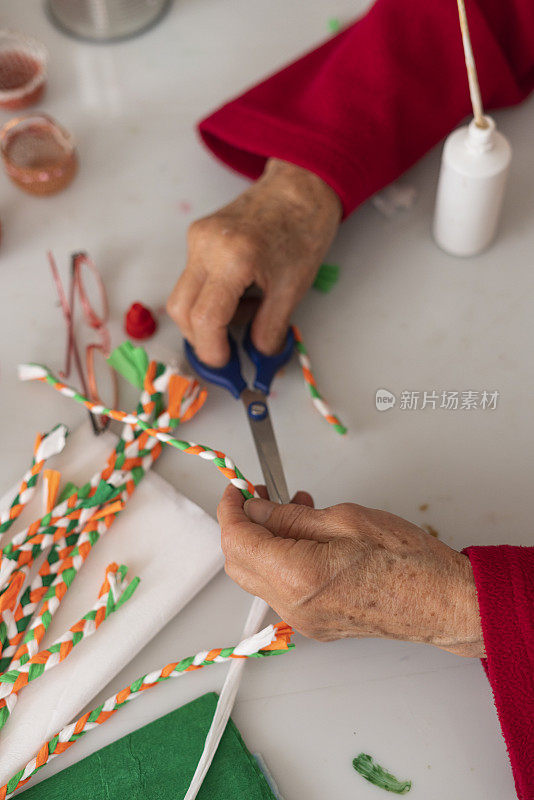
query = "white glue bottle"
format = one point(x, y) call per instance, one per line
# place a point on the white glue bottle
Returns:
point(474, 168)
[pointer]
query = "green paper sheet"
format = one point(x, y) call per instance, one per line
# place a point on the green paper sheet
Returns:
point(157, 762)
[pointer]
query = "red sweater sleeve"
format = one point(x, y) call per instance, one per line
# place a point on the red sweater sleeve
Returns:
point(504, 578)
point(362, 108)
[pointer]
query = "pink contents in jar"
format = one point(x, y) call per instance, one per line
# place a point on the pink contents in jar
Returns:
point(39, 156)
point(23, 63)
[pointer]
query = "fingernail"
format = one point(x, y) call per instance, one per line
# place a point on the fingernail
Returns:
point(258, 510)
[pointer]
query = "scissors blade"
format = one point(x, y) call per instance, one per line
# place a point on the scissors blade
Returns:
point(262, 431)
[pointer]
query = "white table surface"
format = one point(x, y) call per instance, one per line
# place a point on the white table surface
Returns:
point(404, 316)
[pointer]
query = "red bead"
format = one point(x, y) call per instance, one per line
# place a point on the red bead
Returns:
point(139, 322)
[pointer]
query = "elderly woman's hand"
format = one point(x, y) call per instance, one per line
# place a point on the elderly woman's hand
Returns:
point(350, 571)
point(273, 236)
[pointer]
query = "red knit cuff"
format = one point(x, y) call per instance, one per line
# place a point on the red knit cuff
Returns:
point(504, 578)
point(244, 139)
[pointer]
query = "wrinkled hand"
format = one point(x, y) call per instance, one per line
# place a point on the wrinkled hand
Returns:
point(274, 236)
point(351, 571)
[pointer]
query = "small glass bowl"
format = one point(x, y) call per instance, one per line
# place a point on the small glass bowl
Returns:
point(39, 155)
point(23, 70)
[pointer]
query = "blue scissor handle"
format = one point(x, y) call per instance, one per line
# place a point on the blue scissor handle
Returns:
point(229, 376)
point(268, 366)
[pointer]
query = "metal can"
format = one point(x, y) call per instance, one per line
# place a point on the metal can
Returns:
point(106, 20)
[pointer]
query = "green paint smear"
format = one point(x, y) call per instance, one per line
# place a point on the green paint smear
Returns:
point(374, 773)
point(326, 278)
point(334, 25)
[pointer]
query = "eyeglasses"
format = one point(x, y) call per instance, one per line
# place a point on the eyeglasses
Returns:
point(87, 286)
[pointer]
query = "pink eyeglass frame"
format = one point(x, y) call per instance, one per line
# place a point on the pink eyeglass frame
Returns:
point(97, 322)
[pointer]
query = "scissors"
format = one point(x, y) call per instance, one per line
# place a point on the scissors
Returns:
point(254, 400)
point(257, 411)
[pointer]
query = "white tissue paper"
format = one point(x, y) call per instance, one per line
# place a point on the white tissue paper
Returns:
point(161, 536)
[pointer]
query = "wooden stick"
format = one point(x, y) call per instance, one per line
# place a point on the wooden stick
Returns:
point(474, 88)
